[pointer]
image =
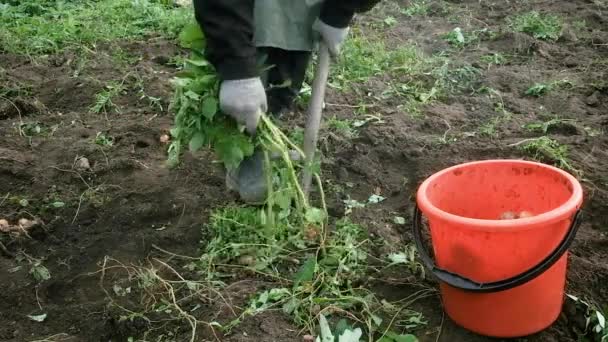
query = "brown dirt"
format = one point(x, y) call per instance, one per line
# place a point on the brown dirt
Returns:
point(128, 202)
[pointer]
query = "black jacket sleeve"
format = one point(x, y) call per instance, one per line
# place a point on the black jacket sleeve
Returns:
point(228, 29)
point(339, 13)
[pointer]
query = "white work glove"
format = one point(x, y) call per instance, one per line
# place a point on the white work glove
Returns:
point(333, 37)
point(244, 100)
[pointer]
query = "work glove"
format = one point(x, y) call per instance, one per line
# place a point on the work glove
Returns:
point(333, 37)
point(244, 100)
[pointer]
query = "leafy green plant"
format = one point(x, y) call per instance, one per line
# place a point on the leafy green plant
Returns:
point(540, 26)
point(408, 257)
point(417, 8)
point(40, 272)
point(198, 122)
point(103, 99)
point(344, 127)
point(325, 283)
point(456, 37)
point(102, 139)
point(548, 150)
point(494, 59)
point(541, 89)
point(596, 327)
point(390, 21)
point(36, 129)
point(30, 129)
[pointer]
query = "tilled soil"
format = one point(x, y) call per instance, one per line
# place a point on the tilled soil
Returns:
point(127, 205)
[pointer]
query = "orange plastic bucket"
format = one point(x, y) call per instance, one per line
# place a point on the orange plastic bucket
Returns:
point(500, 278)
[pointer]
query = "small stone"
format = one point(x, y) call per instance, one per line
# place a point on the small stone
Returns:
point(83, 164)
point(593, 100)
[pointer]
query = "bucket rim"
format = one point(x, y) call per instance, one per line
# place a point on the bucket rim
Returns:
point(564, 211)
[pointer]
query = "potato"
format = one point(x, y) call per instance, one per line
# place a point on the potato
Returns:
point(525, 214)
point(27, 224)
point(4, 226)
point(165, 139)
point(83, 164)
point(508, 215)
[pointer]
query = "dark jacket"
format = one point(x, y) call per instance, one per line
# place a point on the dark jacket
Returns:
point(228, 28)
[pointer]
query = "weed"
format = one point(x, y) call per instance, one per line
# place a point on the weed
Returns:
point(36, 129)
point(363, 58)
point(390, 21)
point(95, 197)
point(325, 283)
point(546, 149)
point(458, 38)
point(139, 84)
point(580, 26)
point(408, 257)
point(417, 8)
point(122, 57)
point(489, 128)
point(39, 271)
point(545, 127)
point(31, 129)
point(102, 139)
point(595, 327)
point(103, 99)
point(415, 76)
point(344, 127)
point(541, 89)
point(540, 26)
point(33, 27)
point(494, 59)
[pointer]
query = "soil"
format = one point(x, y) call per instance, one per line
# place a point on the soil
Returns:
point(127, 206)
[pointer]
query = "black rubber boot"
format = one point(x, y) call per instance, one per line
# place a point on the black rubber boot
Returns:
point(249, 179)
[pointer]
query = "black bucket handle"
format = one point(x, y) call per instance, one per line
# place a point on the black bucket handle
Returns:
point(466, 284)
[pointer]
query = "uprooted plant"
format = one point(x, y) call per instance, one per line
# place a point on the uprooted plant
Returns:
point(317, 267)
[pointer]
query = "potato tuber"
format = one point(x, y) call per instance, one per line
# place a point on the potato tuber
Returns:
point(508, 215)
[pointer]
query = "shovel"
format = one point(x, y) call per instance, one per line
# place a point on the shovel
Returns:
point(313, 120)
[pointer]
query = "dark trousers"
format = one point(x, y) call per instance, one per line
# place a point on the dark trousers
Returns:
point(284, 75)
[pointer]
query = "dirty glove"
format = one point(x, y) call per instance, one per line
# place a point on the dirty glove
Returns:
point(333, 37)
point(244, 100)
